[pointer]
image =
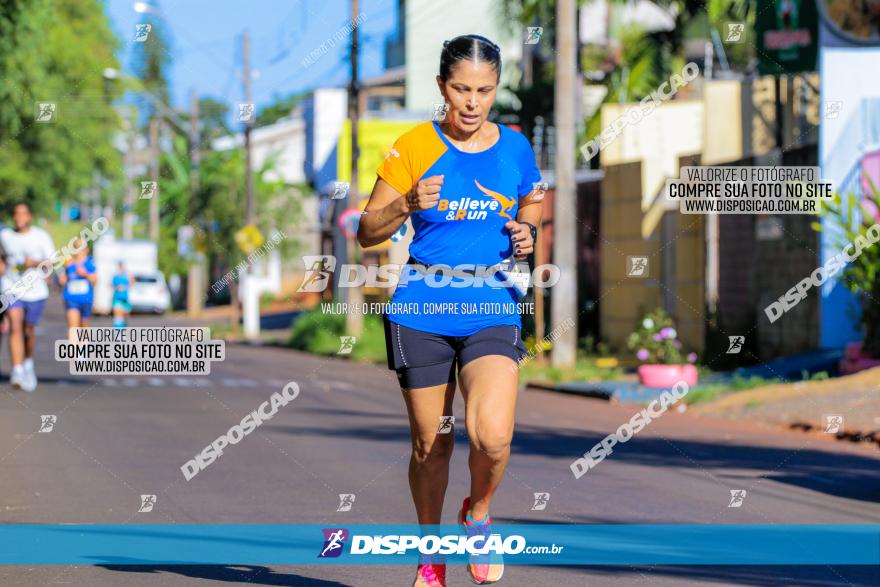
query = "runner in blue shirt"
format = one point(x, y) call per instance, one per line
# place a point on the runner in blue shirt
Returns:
point(78, 278)
point(122, 282)
point(468, 186)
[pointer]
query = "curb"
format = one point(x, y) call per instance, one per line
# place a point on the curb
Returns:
point(872, 437)
point(613, 391)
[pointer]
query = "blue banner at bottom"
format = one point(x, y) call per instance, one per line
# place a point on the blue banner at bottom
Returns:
point(525, 544)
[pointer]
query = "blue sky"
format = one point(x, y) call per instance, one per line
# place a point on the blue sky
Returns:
point(206, 43)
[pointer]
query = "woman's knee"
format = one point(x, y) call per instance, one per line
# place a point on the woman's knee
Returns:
point(494, 441)
point(16, 323)
point(436, 450)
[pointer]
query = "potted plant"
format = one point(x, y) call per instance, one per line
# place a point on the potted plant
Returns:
point(848, 218)
point(657, 346)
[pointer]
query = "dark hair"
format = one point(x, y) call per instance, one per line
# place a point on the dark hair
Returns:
point(22, 203)
point(468, 47)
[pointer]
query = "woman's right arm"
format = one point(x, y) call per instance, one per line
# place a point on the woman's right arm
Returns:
point(388, 209)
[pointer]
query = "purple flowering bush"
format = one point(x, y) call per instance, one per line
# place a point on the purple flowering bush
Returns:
point(656, 341)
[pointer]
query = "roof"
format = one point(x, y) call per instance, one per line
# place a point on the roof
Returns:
point(393, 76)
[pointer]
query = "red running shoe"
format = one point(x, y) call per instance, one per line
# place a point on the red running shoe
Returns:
point(483, 568)
point(430, 575)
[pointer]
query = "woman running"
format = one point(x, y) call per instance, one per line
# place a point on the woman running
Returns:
point(5, 284)
point(122, 282)
point(468, 185)
point(78, 279)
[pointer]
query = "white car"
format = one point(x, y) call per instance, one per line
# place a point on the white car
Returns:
point(149, 293)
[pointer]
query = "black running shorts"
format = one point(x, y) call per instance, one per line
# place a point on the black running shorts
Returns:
point(425, 359)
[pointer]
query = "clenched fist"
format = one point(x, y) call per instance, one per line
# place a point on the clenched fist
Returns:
point(424, 194)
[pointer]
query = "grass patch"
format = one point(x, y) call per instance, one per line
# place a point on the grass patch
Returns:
point(318, 333)
point(712, 391)
point(62, 233)
point(584, 370)
point(224, 330)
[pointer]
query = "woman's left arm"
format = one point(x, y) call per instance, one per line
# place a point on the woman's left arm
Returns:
point(520, 233)
point(530, 214)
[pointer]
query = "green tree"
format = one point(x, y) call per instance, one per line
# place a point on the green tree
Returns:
point(55, 51)
point(152, 58)
point(278, 108)
point(216, 210)
point(212, 119)
point(849, 218)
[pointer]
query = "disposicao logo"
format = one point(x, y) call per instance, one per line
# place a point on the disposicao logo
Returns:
point(334, 542)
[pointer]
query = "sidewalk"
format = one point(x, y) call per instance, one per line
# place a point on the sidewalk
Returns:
point(805, 405)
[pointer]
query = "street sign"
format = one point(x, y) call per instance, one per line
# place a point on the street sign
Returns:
point(787, 36)
point(249, 239)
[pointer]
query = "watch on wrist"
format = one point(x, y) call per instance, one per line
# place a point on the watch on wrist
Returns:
point(533, 230)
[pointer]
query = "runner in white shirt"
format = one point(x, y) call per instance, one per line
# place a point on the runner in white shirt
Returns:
point(26, 247)
point(4, 285)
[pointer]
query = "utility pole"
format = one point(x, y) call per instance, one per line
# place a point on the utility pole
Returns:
point(354, 321)
point(250, 211)
point(565, 201)
point(154, 176)
point(194, 288)
point(127, 214)
point(194, 152)
point(538, 294)
point(248, 292)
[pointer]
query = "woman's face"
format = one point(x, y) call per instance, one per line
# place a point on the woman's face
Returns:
point(470, 93)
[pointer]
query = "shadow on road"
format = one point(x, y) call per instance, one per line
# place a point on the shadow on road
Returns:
point(844, 475)
point(805, 576)
point(252, 574)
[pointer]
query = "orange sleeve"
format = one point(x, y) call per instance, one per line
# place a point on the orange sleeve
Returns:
point(410, 157)
point(397, 167)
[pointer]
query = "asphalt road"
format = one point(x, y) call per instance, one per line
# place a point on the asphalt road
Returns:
point(119, 437)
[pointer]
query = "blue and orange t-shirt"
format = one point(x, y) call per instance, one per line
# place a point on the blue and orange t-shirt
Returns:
point(481, 192)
